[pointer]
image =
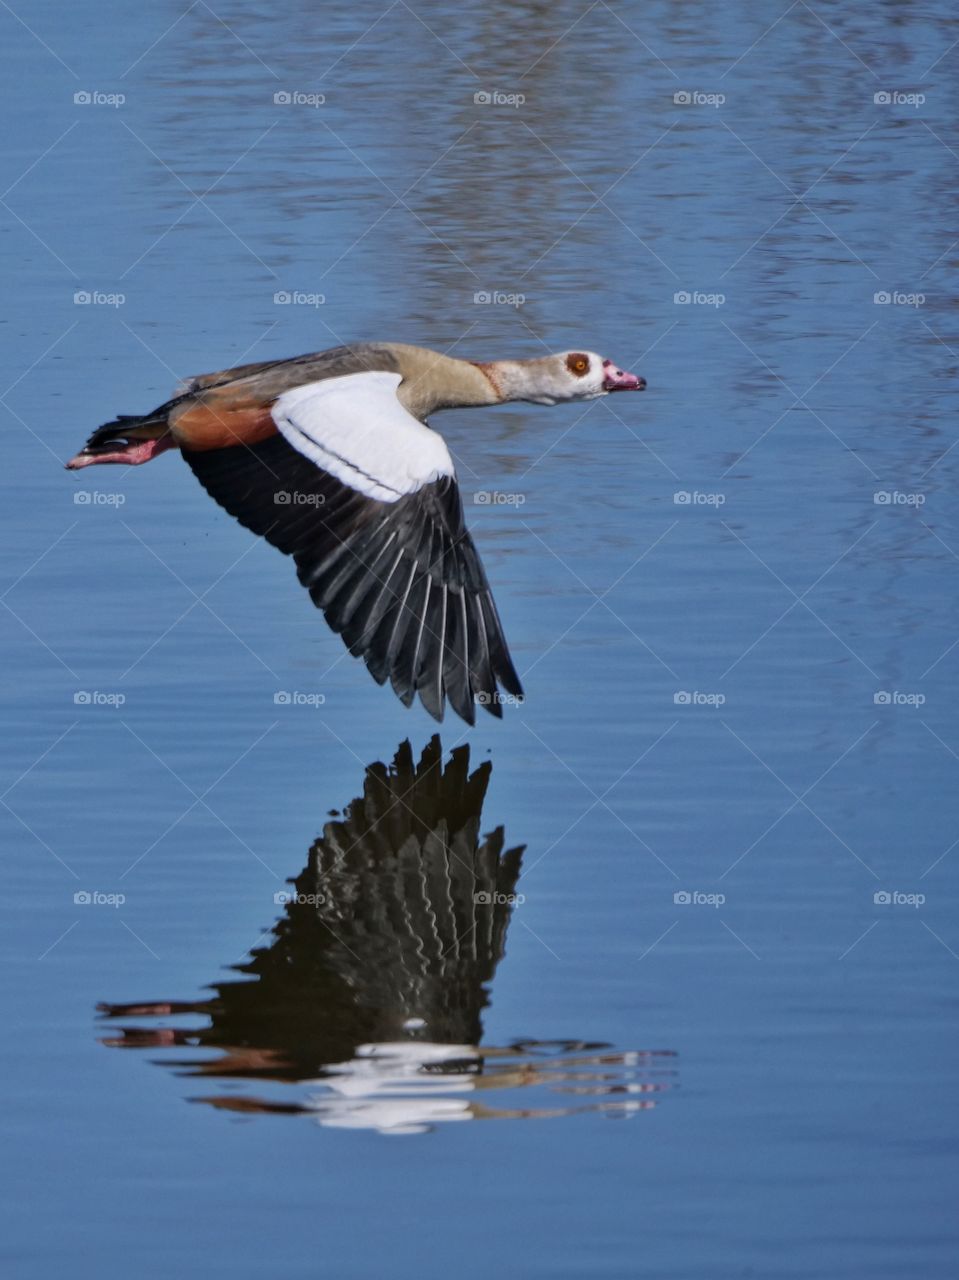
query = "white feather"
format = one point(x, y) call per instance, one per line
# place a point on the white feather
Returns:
point(355, 428)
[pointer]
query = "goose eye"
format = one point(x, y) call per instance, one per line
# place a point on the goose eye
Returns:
point(577, 364)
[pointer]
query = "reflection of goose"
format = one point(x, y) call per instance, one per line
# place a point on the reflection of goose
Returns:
point(374, 981)
point(328, 457)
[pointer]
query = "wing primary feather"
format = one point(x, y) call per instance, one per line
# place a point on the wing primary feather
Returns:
point(482, 680)
point(418, 646)
point(431, 687)
point(403, 670)
point(401, 620)
point(456, 661)
point(500, 660)
point(374, 643)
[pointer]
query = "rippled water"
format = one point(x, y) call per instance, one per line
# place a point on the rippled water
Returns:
point(732, 601)
point(369, 994)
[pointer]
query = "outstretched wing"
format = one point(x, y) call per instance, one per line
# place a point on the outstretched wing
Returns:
point(364, 497)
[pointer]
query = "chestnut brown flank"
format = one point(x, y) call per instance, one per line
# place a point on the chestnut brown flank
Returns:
point(203, 426)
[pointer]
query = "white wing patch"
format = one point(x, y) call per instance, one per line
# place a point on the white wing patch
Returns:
point(355, 428)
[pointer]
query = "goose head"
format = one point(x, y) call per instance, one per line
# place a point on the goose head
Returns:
point(570, 375)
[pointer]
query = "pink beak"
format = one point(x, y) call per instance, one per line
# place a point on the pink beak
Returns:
point(616, 380)
point(130, 455)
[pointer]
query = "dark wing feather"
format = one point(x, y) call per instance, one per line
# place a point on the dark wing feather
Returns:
point(400, 581)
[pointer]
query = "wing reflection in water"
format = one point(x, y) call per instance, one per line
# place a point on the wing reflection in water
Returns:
point(371, 990)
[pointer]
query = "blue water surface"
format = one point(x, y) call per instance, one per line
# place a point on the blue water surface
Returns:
point(732, 601)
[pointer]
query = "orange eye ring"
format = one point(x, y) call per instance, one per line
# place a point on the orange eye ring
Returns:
point(577, 364)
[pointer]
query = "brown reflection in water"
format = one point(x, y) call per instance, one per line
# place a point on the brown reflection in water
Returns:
point(371, 989)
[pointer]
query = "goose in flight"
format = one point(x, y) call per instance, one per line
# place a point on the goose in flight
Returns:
point(329, 458)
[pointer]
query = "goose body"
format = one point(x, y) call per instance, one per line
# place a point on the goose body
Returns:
point(329, 457)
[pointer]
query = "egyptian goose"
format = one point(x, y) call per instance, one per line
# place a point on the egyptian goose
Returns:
point(329, 457)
